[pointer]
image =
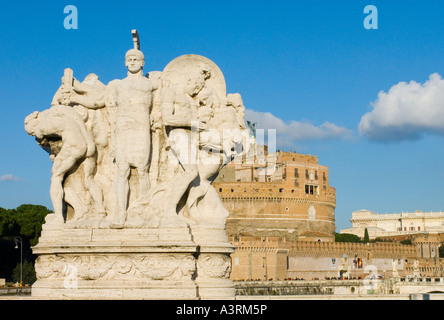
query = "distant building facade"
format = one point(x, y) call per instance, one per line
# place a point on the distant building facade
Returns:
point(384, 225)
point(283, 194)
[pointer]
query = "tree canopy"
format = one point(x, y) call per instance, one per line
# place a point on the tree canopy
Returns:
point(347, 237)
point(366, 236)
point(25, 222)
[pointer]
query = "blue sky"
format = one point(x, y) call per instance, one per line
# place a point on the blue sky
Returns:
point(308, 68)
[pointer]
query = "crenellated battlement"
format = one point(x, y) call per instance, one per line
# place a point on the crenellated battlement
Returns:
point(315, 248)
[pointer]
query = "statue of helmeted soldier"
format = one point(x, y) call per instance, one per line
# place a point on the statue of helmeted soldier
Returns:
point(132, 99)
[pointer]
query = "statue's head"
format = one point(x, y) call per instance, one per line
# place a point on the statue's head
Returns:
point(134, 60)
point(31, 123)
point(195, 83)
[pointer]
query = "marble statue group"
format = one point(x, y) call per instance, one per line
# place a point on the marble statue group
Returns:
point(142, 150)
point(135, 212)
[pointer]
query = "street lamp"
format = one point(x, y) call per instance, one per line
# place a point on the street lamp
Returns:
point(17, 241)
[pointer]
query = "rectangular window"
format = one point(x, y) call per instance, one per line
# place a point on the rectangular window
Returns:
point(311, 189)
point(307, 176)
point(296, 173)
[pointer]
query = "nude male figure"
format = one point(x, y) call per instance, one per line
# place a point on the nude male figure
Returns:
point(132, 98)
point(77, 146)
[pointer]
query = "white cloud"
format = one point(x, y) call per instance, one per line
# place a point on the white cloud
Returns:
point(294, 131)
point(407, 111)
point(9, 177)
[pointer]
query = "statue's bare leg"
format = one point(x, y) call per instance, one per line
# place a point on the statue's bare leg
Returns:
point(144, 181)
point(122, 191)
point(57, 195)
point(92, 186)
point(206, 171)
point(181, 185)
point(180, 149)
point(73, 199)
point(61, 166)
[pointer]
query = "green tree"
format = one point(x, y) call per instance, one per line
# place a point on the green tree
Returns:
point(25, 221)
point(30, 219)
point(366, 236)
point(28, 273)
point(8, 225)
point(346, 237)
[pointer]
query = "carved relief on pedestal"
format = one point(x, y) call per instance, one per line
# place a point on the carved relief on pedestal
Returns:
point(117, 267)
point(212, 266)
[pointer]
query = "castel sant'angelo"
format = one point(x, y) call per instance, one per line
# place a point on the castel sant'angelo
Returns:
point(282, 223)
point(282, 194)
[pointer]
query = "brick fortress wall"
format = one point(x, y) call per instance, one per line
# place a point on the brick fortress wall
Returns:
point(284, 194)
point(275, 259)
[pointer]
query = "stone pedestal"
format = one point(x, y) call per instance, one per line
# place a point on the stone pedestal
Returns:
point(146, 263)
point(213, 263)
